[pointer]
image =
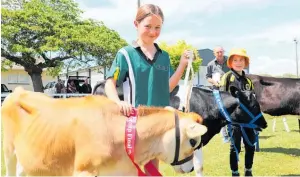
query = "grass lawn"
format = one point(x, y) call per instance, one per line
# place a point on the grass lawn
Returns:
point(279, 155)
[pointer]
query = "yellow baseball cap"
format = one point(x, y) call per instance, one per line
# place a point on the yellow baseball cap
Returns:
point(240, 52)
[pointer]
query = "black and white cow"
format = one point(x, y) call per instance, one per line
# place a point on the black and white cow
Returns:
point(203, 102)
point(277, 96)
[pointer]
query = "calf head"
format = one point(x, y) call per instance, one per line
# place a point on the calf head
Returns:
point(178, 151)
point(247, 105)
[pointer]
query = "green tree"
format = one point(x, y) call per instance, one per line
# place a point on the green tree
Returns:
point(103, 45)
point(175, 51)
point(54, 71)
point(33, 29)
point(6, 64)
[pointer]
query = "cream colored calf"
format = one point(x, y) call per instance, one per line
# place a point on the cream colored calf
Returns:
point(85, 136)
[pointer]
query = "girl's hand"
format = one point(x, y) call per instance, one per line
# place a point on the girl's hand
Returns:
point(125, 108)
point(185, 57)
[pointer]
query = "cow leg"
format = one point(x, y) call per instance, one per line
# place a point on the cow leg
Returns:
point(20, 169)
point(198, 162)
point(10, 161)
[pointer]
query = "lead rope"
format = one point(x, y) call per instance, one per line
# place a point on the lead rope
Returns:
point(187, 84)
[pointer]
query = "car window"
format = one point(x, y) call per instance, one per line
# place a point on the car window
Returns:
point(78, 81)
point(81, 82)
point(4, 88)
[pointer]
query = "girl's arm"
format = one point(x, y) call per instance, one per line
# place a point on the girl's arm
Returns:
point(173, 81)
point(112, 93)
point(111, 90)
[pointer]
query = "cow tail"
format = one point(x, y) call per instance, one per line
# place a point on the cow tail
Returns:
point(13, 106)
point(12, 100)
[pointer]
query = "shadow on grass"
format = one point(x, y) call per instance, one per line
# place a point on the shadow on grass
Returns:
point(265, 137)
point(295, 131)
point(291, 175)
point(288, 151)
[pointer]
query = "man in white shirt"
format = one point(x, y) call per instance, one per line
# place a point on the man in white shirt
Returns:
point(215, 70)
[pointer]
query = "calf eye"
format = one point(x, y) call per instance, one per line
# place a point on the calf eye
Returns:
point(193, 142)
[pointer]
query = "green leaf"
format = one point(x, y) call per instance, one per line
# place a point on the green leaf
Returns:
point(175, 51)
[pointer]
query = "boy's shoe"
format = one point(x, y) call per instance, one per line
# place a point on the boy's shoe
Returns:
point(235, 173)
point(248, 172)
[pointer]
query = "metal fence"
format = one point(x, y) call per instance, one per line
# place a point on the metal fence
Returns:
point(62, 95)
point(67, 95)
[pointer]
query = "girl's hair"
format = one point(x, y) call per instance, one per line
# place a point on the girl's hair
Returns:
point(147, 10)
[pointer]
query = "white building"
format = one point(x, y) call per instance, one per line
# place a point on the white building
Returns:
point(17, 76)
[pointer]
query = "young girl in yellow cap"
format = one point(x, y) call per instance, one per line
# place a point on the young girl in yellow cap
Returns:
point(239, 60)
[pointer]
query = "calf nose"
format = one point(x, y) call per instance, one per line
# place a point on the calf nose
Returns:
point(265, 125)
point(258, 129)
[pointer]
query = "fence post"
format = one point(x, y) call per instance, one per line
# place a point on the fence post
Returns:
point(285, 124)
point(299, 124)
point(274, 124)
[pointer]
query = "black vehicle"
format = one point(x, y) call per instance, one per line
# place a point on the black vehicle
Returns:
point(4, 92)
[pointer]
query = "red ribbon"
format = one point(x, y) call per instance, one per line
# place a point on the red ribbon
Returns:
point(130, 134)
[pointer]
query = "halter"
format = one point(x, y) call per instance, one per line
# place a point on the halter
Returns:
point(177, 148)
point(231, 122)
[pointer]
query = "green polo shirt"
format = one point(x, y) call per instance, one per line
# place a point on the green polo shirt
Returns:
point(150, 85)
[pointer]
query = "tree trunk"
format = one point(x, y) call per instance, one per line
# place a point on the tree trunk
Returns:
point(36, 77)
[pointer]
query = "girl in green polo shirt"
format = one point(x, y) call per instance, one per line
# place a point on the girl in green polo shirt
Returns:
point(143, 68)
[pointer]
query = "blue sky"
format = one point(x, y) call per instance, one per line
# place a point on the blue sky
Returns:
point(266, 28)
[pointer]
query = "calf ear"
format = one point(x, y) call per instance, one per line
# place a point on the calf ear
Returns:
point(170, 108)
point(194, 130)
point(196, 117)
point(234, 91)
